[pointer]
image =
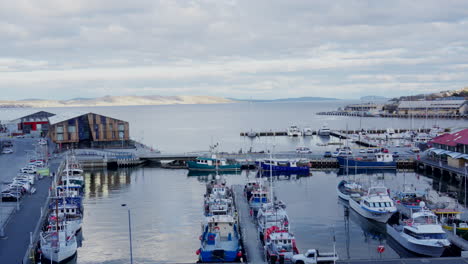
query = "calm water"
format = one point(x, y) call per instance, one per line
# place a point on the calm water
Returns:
point(166, 205)
point(185, 128)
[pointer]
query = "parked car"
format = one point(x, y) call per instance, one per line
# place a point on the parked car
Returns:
point(10, 195)
point(384, 150)
point(28, 170)
point(303, 150)
point(327, 154)
point(20, 136)
point(362, 151)
point(395, 155)
point(7, 151)
point(369, 150)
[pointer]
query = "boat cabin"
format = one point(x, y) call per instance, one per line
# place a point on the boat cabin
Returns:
point(259, 197)
point(384, 157)
point(220, 228)
point(211, 161)
point(69, 190)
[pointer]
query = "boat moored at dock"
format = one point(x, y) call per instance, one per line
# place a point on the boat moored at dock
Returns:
point(375, 205)
point(294, 131)
point(421, 234)
point(287, 166)
point(347, 189)
point(213, 164)
point(380, 160)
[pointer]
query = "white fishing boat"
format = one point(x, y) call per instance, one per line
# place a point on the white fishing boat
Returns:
point(422, 234)
point(347, 189)
point(294, 131)
point(375, 205)
point(58, 246)
point(272, 214)
point(324, 131)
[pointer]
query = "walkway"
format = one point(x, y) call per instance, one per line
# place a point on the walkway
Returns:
point(252, 244)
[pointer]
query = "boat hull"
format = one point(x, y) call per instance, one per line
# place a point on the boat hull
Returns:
point(350, 162)
point(426, 250)
point(285, 169)
point(218, 256)
point(339, 191)
point(62, 256)
point(193, 165)
point(381, 217)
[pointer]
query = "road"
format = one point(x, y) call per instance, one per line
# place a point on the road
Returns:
point(17, 231)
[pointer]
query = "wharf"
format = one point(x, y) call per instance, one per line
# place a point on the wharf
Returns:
point(457, 241)
point(426, 164)
point(23, 223)
point(252, 244)
point(337, 133)
point(443, 260)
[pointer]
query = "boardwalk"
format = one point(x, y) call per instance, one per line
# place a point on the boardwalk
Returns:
point(252, 244)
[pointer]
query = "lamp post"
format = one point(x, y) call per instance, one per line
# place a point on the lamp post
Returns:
point(129, 233)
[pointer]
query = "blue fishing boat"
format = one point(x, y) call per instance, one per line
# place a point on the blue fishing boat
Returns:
point(220, 240)
point(286, 166)
point(380, 160)
point(213, 164)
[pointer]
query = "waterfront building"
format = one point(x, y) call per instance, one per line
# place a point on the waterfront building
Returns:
point(28, 121)
point(436, 107)
point(83, 130)
point(365, 107)
point(452, 148)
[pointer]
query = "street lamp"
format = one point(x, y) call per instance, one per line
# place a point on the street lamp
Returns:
point(129, 233)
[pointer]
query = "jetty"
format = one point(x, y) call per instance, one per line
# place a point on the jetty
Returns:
point(337, 133)
point(253, 247)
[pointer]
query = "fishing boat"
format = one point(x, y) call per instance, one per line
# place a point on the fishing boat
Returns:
point(280, 245)
point(347, 189)
point(58, 244)
point(324, 131)
point(375, 205)
point(272, 214)
point(380, 160)
point(288, 166)
point(421, 234)
point(258, 197)
point(213, 164)
point(408, 201)
point(220, 240)
point(71, 213)
point(218, 198)
point(294, 131)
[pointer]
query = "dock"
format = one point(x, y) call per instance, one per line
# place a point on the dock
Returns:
point(457, 241)
point(337, 133)
point(439, 167)
point(252, 244)
point(443, 260)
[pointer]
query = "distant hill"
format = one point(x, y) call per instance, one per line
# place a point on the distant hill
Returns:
point(117, 101)
point(297, 99)
point(373, 98)
point(463, 92)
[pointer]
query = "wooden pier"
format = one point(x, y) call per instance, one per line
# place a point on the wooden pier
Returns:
point(439, 168)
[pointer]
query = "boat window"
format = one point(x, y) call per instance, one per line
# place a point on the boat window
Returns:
point(381, 204)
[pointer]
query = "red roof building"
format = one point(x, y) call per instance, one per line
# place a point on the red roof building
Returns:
point(457, 142)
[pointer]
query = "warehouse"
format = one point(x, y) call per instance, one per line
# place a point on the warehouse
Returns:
point(84, 130)
point(441, 107)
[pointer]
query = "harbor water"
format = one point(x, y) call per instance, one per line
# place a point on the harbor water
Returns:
point(166, 211)
point(166, 205)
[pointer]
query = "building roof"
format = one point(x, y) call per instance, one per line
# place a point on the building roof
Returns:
point(10, 114)
point(432, 104)
point(460, 137)
point(65, 116)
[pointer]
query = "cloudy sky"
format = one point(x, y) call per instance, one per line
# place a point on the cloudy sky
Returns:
point(61, 49)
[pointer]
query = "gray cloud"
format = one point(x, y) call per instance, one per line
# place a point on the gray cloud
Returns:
point(260, 49)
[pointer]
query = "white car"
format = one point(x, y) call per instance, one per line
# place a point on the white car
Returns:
point(28, 170)
point(303, 150)
point(42, 142)
point(312, 256)
point(20, 136)
point(7, 151)
point(362, 151)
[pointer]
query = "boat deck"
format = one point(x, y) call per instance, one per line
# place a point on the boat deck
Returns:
point(252, 244)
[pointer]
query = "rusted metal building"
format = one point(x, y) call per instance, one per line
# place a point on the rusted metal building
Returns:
point(82, 130)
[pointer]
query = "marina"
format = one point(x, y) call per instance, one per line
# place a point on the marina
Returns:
point(116, 176)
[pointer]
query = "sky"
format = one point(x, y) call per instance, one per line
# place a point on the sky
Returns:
point(262, 49)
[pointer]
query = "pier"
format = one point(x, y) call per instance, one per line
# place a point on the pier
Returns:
point(253, 246)
point(425, 164)
point(337, 133)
